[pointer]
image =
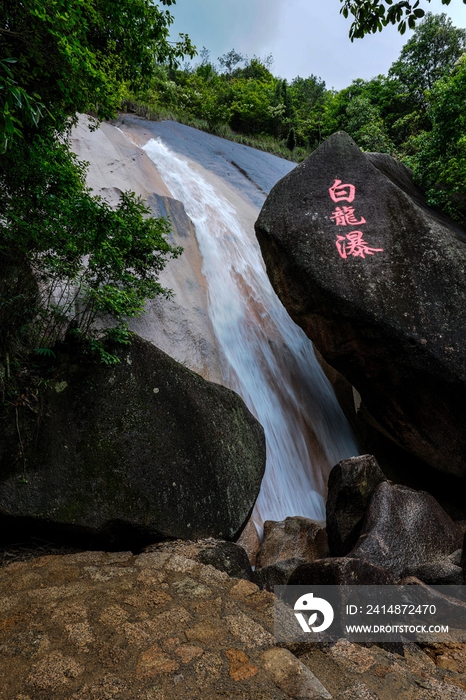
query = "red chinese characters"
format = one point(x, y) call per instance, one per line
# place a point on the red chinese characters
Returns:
point(342, 193)
point(345, 216)
point(351, 244)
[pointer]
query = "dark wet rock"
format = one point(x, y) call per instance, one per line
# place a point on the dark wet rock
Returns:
point(141, 450)
point(438, 573)
point(228, 557)
point(456, 557)
point(351, 483)
point(390, 315)
point(405, 528)
point(340, 571)
point(449, 601)
point(463, 555)
point(293, 537)
point(277, 574)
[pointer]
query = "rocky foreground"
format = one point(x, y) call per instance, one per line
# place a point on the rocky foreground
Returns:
point(161, 625)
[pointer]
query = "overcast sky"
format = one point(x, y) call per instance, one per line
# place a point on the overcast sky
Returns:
point(304, 36)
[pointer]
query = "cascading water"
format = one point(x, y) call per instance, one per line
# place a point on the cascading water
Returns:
point(267, 359)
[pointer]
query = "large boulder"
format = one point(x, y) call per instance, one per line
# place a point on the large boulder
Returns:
point(404, 529)
point(376, 280)
point(143, 449)
point(351, 484)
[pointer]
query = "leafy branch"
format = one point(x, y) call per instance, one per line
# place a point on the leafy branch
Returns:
point(372, 16)
point(17, 108)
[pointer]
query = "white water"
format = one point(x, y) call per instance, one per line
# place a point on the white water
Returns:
point(267, 359)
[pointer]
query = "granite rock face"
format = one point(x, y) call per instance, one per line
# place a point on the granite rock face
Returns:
point(376, 280)
point(403, 529)
point(277, 574)
point(293, 537)
point(142, 449)
point(351, 483)
point(228, 557)
point(438, 573)
point(340, 571)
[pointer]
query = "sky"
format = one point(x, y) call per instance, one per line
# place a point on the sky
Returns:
point(305, 37)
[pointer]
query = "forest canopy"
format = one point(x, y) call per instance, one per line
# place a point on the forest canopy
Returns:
point(415, 112)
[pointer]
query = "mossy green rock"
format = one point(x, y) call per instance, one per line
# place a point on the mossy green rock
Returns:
point(145, 446)
point(377, 280)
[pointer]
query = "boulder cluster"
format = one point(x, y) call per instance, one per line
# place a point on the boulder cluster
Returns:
point(376, 533)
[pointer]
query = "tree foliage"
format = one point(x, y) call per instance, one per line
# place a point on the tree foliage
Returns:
point(125, 249)
point(428, 55)
point(77, 55)
point(440, 158)
point(65, 255)
point(18, 110)
point(372, 16)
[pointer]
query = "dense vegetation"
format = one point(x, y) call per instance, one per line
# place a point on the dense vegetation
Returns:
point(59, 58)
point(416, 112)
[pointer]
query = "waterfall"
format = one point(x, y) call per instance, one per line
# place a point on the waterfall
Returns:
point(266, 358)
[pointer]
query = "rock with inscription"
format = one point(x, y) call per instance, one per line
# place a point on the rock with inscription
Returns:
point(351, 483)
point(404, 529)
point(130, 453)
point(340, 571)
point(376, 280)
point(293, 537)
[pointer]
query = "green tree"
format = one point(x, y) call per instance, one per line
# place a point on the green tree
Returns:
point(65, 56)
point(440, 161)
point(18, 110)
point(250, 104)
point(309, 99)
point(366, 126)
point(229, 60)
point(428, 55)
point(125, 249)
point(291, 140)
point(372, 16)
point(77, 54)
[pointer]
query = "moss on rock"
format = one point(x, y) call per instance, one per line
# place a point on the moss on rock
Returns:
point(146, 444)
